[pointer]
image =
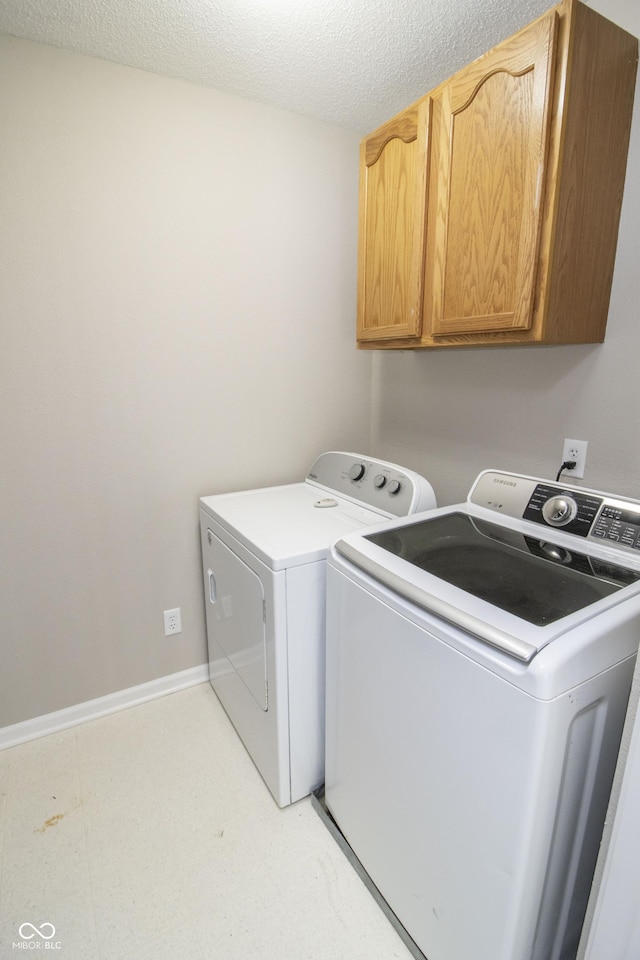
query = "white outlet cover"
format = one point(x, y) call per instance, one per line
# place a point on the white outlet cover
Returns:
point(575, 450)
point(172, 621)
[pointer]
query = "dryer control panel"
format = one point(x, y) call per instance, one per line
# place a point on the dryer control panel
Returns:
point(386, 487)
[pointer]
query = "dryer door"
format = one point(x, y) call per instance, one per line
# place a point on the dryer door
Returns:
point(235, 618)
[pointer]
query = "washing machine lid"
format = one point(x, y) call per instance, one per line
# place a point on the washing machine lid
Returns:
point(503, 578)
point(288, 525)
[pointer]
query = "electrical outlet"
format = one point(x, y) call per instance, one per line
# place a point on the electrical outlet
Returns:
point(575, 450)
point(172, 621)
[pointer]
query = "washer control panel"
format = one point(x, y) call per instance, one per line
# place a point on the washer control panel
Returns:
point(615, 521)
point(386, 487)
point(571, 509)
point(618, 524)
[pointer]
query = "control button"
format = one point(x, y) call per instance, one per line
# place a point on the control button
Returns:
point(558, 511)
point(357, 471)
point(394, 486)
point(379, 481)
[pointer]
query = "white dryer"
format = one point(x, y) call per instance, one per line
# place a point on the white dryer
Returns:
point(264, 554)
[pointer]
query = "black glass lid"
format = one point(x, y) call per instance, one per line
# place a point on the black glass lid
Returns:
point(537, 580)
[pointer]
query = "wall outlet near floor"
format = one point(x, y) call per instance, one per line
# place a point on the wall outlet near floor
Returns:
point(575, 450)
point(172, 621)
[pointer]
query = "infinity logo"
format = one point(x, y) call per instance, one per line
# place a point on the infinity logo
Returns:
point(40, 932)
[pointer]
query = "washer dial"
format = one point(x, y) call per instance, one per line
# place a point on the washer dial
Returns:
point(559, 511)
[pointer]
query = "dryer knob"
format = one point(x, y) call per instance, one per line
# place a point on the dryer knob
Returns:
point(357, 471)
point(394, 486)
point(559, 511)
point(379, 481)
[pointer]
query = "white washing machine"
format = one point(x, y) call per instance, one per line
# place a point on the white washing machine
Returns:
point(264, 554)
point(479, 662)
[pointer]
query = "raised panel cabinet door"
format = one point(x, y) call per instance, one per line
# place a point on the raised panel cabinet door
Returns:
point(490, 136)
point(393, 196)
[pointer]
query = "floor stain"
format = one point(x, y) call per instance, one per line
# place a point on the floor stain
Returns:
point(55, 819)
point(51, 822)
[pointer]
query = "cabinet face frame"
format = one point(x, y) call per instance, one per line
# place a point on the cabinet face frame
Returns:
point(394, 162)
point(490, 141)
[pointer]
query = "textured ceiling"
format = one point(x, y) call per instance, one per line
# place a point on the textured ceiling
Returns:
point(350, 62)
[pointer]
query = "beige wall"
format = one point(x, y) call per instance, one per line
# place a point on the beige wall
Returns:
point(177, 273)
point(177, 309)
point(452, 413)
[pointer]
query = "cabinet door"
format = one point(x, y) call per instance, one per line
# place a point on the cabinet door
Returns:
point(393, 188)
point(490, 134)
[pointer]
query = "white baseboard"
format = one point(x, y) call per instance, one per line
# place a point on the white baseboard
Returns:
point(71, 716)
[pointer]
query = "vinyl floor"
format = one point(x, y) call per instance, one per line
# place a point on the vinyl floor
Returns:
point(149, 834)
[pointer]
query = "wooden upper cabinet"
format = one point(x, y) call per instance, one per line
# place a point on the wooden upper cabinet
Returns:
point(514, 216)
point(491, 130)
point(393, 175)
